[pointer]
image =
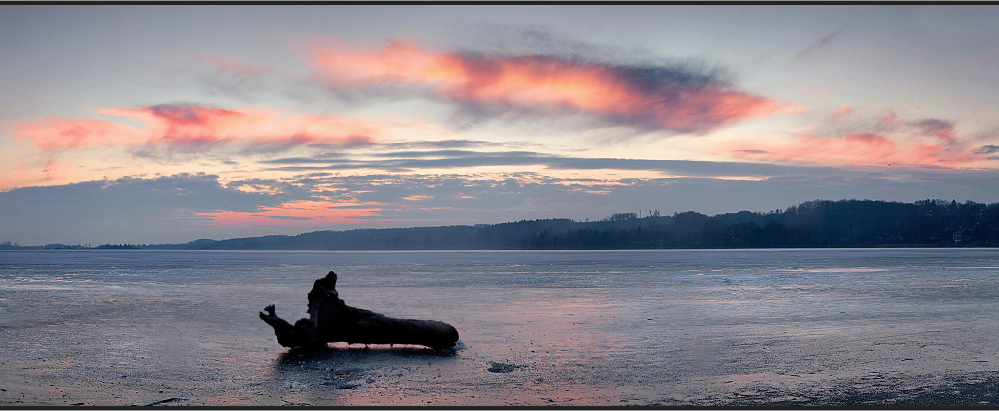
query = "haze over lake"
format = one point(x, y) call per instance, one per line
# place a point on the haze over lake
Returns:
point(587, 328)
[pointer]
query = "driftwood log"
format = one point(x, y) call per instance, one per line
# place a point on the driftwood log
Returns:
point(332, 320)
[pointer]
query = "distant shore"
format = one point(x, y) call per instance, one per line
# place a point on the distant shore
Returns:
point(812, 224)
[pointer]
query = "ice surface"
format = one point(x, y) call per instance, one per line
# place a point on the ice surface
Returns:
point(123, 327)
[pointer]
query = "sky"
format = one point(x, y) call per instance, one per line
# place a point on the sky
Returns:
point(149, 124)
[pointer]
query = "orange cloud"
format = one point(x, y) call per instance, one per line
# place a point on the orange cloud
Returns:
point(856, 149)
point(195, 125)
point(295, 213)
point(651, 97)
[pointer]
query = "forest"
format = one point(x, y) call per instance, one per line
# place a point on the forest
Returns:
point(812, 224)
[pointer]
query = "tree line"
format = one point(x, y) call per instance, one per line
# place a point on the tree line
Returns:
point(812, 224)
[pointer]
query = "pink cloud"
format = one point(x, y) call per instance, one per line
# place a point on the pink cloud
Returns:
point(653, 97)
point(56, 134)
point(295, 213)
point(194, 125)
point(887, 139)
point(855, 149)
point(841, 113)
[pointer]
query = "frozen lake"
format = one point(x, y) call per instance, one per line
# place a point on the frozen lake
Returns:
point(585, 328)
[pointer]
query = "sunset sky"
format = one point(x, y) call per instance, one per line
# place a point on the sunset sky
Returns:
point(169, 123)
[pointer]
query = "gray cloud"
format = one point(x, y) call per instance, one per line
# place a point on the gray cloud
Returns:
point(441, 144)
point(415, 160)
point(404, 161)
point(987, 149)
point(942, 129)
point(520, 40)
point(818, 45)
